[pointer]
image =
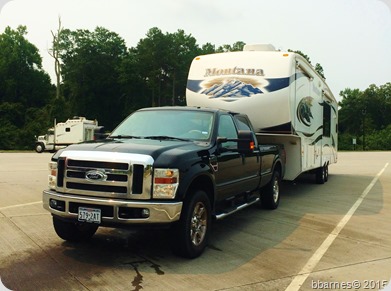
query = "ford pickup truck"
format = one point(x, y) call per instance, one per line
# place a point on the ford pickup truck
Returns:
point(180, 167)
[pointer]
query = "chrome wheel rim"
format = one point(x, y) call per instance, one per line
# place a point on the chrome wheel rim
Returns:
point(198, 224)
point(276, 191)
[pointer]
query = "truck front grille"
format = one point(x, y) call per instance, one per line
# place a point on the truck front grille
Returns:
point(98, 188)
point(105, 174)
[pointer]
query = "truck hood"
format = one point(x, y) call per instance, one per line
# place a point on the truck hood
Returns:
point(162, 151)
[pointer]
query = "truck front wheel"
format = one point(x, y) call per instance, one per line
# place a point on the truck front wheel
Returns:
point(191, 233)
point(270, 197)
point(39, 147)
point(74, 231)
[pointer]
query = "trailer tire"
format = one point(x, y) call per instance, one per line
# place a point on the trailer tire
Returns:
point(191, 232)
point(320, 175)
point(326, 173)
point(270, 198)
point(74, 231)
point(39, 147)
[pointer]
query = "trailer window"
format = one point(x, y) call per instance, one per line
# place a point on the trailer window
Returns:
point(67, 129)
point(326, 119)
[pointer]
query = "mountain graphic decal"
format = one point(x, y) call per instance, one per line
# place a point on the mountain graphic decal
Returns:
point(303, 112)
point(230, 88)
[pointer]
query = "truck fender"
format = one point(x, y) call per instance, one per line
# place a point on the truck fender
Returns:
point(199, 176)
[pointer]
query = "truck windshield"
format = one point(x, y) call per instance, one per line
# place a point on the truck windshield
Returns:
point(175, 124)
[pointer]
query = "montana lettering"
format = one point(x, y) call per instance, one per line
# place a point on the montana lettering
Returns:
point(233, 71)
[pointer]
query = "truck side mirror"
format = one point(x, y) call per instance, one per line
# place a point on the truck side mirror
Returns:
point(246, 142)
point(221, 140)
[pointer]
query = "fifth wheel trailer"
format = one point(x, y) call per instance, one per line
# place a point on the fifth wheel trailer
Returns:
point(287, 101)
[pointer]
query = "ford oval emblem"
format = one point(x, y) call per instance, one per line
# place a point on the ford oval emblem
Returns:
point(96, 175)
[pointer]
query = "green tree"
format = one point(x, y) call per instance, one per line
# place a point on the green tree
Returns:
point(319, 70)
point(208, 48)
point(183, 49)
point(134, 89)
point(350, 114)
point(318, 67)
point(90, 70)
point(163, 61)
point(22, 79)
point(153, 58)
point(377, 103)
point(237, 46)
point(24, 88)
point(365, 115)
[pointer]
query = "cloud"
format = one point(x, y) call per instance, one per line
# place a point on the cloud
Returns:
point(3, 2)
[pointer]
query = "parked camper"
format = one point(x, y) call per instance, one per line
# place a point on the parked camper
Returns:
point(72, 131)
point(286, 100)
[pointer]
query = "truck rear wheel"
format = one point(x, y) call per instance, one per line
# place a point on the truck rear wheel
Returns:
point(191, 233)
point(39, 147)
point(320, 175)
point(74, 231)
point(270, 197)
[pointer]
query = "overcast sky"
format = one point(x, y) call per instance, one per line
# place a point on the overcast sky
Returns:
point(351, 39)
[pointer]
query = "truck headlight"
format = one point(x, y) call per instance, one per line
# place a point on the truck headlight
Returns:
point(52, 179)
point(165, 183)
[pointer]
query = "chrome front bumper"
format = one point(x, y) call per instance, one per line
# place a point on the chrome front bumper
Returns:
point(158, 212)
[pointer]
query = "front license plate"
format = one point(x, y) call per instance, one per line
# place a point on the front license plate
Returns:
point(91, 215)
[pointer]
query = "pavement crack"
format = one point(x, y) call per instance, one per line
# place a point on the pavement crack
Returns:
point(138, 278)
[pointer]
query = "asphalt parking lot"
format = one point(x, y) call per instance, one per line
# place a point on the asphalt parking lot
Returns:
point(335, 236)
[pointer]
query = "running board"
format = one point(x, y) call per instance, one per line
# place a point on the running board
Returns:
point(240, 207)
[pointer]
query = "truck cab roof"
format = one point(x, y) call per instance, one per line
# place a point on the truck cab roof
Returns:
point(187, 108)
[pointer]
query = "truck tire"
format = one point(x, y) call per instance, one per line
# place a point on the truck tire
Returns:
point(74, 231)
point(270, 198)
point(191, 233)
point(39, 147)
point(320, 175)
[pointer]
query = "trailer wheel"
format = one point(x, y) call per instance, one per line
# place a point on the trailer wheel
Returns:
point(326, 173)
point(191, 232)
point(74, 231)
point(39, 147)
point(320, 175)
point(270, 197)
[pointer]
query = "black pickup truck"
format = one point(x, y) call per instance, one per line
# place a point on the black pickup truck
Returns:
point(169, 166)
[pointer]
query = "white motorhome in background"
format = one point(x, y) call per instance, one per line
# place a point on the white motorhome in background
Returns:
point(286, 100)
point(74, 130)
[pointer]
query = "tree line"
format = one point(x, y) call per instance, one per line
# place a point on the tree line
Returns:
point(365, 118)
point(99, 77)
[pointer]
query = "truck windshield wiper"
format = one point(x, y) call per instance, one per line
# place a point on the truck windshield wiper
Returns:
point(120, 136)
point(165, 137)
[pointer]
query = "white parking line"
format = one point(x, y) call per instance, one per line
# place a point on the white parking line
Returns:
point(298, 281)
point(19, 205)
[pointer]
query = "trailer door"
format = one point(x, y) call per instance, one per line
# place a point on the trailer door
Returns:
point(303, 118)
point(309, 117)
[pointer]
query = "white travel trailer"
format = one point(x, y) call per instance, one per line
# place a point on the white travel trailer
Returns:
point(287, 101)
point(74, 130)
